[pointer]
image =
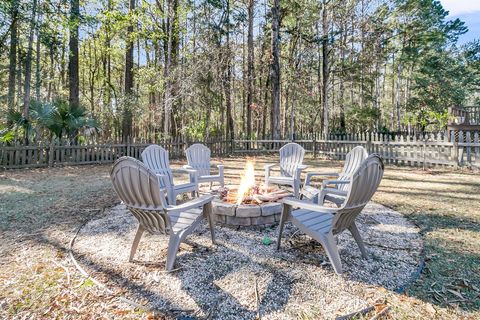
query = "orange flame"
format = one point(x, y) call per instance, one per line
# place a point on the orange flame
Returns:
point(247, 181)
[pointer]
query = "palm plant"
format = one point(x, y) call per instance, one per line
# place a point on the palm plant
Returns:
point(58, 118)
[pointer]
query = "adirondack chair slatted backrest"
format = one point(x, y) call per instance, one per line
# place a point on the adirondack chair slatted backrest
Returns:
point(198, 157)
point(139, 189)
point(365, 182)
point(291, 156)
point(156, 159)
point(353, 160)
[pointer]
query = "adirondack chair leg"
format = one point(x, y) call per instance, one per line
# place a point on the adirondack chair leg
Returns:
point(173, 245)
point(283, 218)
point(330, 246)
point(207, 212)
point(136, 241)
point(222, 181)
point(267, 174)
point(321, 197)
point(356, 235)
point(211, 185)
point(296, 189)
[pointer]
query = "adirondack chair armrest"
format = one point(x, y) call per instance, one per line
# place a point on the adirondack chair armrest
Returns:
point(325, 183)
point(188, 170)
point(195, 203)
point(296, 203)
point(310, 175)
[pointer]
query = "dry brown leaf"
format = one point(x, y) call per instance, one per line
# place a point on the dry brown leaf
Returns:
point(122, 312)
point(379, 307)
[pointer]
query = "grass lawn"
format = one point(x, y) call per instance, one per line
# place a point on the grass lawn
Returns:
point(41, 209)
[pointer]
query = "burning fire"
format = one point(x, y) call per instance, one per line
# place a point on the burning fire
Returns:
point(248, 192)
point(247, 181)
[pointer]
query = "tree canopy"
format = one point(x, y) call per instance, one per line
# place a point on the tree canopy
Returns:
point(151, 69)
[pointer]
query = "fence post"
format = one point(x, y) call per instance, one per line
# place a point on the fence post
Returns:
point(424, 153)
point(314, 149)
point(51, 153)
point(455, 154)
point(127, 152)
point(369, 146)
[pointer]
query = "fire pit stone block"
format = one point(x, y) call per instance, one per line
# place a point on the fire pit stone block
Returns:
point(237, 221)
point(220, 218)
point(267, 221)
point(248, 211)
point(224, 209)
point(271, 208)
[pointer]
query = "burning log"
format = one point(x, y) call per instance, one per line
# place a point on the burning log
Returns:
point(253, 195)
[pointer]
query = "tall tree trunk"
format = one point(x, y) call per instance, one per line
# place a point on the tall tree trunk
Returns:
point(12, 69)
point(250, 67)
point(128, 82)
point(228, 83)
point(38, 69)
point(167, 70)
point(28, 62)
point(73, 80)
point(325, 71)
point(275, 70)
point(51, 79)
point(176, 101)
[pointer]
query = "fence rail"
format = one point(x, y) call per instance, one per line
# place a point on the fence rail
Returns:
point(460, 150)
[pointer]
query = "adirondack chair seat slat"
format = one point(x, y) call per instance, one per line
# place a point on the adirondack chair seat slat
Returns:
point(198, 158)
point(312, 219)
point(140, 190)
point(318, 222)
point(179, 221)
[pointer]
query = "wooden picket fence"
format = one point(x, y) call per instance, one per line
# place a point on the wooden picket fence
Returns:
point(461, 149)
point(45, 155)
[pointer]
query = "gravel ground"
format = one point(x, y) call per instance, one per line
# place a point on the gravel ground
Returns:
point(241, 278)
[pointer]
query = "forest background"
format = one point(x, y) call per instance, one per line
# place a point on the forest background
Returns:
point(113, 70)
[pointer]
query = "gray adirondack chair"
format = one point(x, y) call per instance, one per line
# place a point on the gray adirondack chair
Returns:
point(139, 189)
point(156, 159)
point(323, 223)
point(335, 194)
point(291, 167)
point(198, 158)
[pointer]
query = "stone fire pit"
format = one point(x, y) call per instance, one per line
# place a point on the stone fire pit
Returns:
point(263, 214)
point(249, 203)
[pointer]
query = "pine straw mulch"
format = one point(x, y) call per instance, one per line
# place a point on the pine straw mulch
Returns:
point(242, 278)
